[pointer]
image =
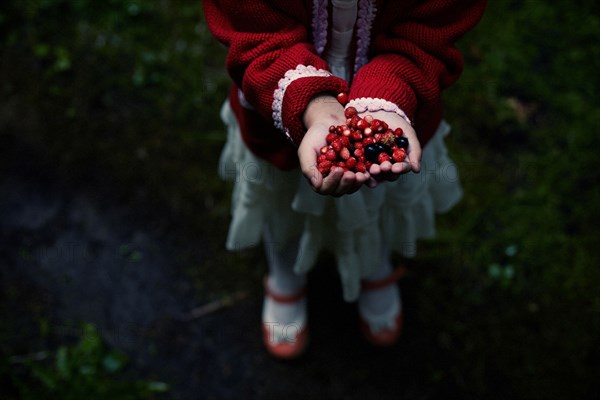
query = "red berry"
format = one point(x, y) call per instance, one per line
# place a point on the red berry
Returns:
point(375, 125)
point(382, 157)
point(324, 167)
point(331, 155)
point(368, 140)
point(336, 145)
point(348, 144)
point(344, 153)
point(349, 112)
point(342, 98)
point(399, 155)
point(362, 124)
point(351, 162)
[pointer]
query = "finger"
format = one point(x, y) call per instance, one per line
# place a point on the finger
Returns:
point(385, 166)
point(415, 162)
point(314, 177)
point(372, 183)
point(331, 182)
point(414, 157)
point(309, 168)
point(362, 177)
point(348, 184)
point(400, 168)
point(375, 170)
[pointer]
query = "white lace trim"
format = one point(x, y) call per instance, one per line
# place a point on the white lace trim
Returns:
point(301, 71)
point(374, 104)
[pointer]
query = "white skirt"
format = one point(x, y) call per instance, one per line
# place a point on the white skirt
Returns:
point(353, 227)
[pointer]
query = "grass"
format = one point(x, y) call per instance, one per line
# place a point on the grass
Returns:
point(143, 82)
point(86, 369)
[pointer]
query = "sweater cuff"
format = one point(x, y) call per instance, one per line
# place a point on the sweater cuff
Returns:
point(370, 104)
point(295, 90)
point(396, 92)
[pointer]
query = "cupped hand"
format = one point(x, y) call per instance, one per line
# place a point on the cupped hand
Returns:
point(322, 112)
point(388, 171)
point(338, 182)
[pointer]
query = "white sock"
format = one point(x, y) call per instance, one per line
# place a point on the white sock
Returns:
point(284, 318)
point(383, 303)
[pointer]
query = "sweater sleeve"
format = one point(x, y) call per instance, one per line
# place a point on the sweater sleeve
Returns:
point(271, 59)
point(416, 58)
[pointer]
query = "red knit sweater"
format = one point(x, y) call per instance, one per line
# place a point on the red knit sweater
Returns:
point(410, 58)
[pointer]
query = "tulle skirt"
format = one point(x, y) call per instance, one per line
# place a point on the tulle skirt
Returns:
point(353, 227)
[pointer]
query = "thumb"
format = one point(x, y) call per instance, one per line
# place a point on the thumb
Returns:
point(309, 167)
point(314, 177)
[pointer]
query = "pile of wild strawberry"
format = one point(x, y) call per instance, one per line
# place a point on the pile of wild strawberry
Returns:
point(360, 143)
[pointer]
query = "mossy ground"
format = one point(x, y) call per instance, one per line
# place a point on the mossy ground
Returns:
point(127, 93)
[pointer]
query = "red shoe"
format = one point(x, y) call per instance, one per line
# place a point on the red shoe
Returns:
point(289, 341)
point(383, 330)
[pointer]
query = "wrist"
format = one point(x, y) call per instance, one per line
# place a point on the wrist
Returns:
point(323, 109)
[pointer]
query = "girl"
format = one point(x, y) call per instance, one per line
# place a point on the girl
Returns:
point(289, 61)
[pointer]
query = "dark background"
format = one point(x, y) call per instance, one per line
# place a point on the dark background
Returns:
point(114, 278)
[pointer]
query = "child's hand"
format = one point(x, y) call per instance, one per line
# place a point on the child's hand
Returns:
point(387, 171)
point(321, 113)
point(338, 182)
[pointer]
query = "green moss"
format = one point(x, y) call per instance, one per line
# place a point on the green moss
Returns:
point(129, 92)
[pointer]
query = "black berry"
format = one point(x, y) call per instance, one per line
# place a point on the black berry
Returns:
point(383, 148)
point(371, 152)
point(402, 142)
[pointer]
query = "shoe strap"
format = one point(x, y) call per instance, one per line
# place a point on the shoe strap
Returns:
point(283, 298)
point(397, 274)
